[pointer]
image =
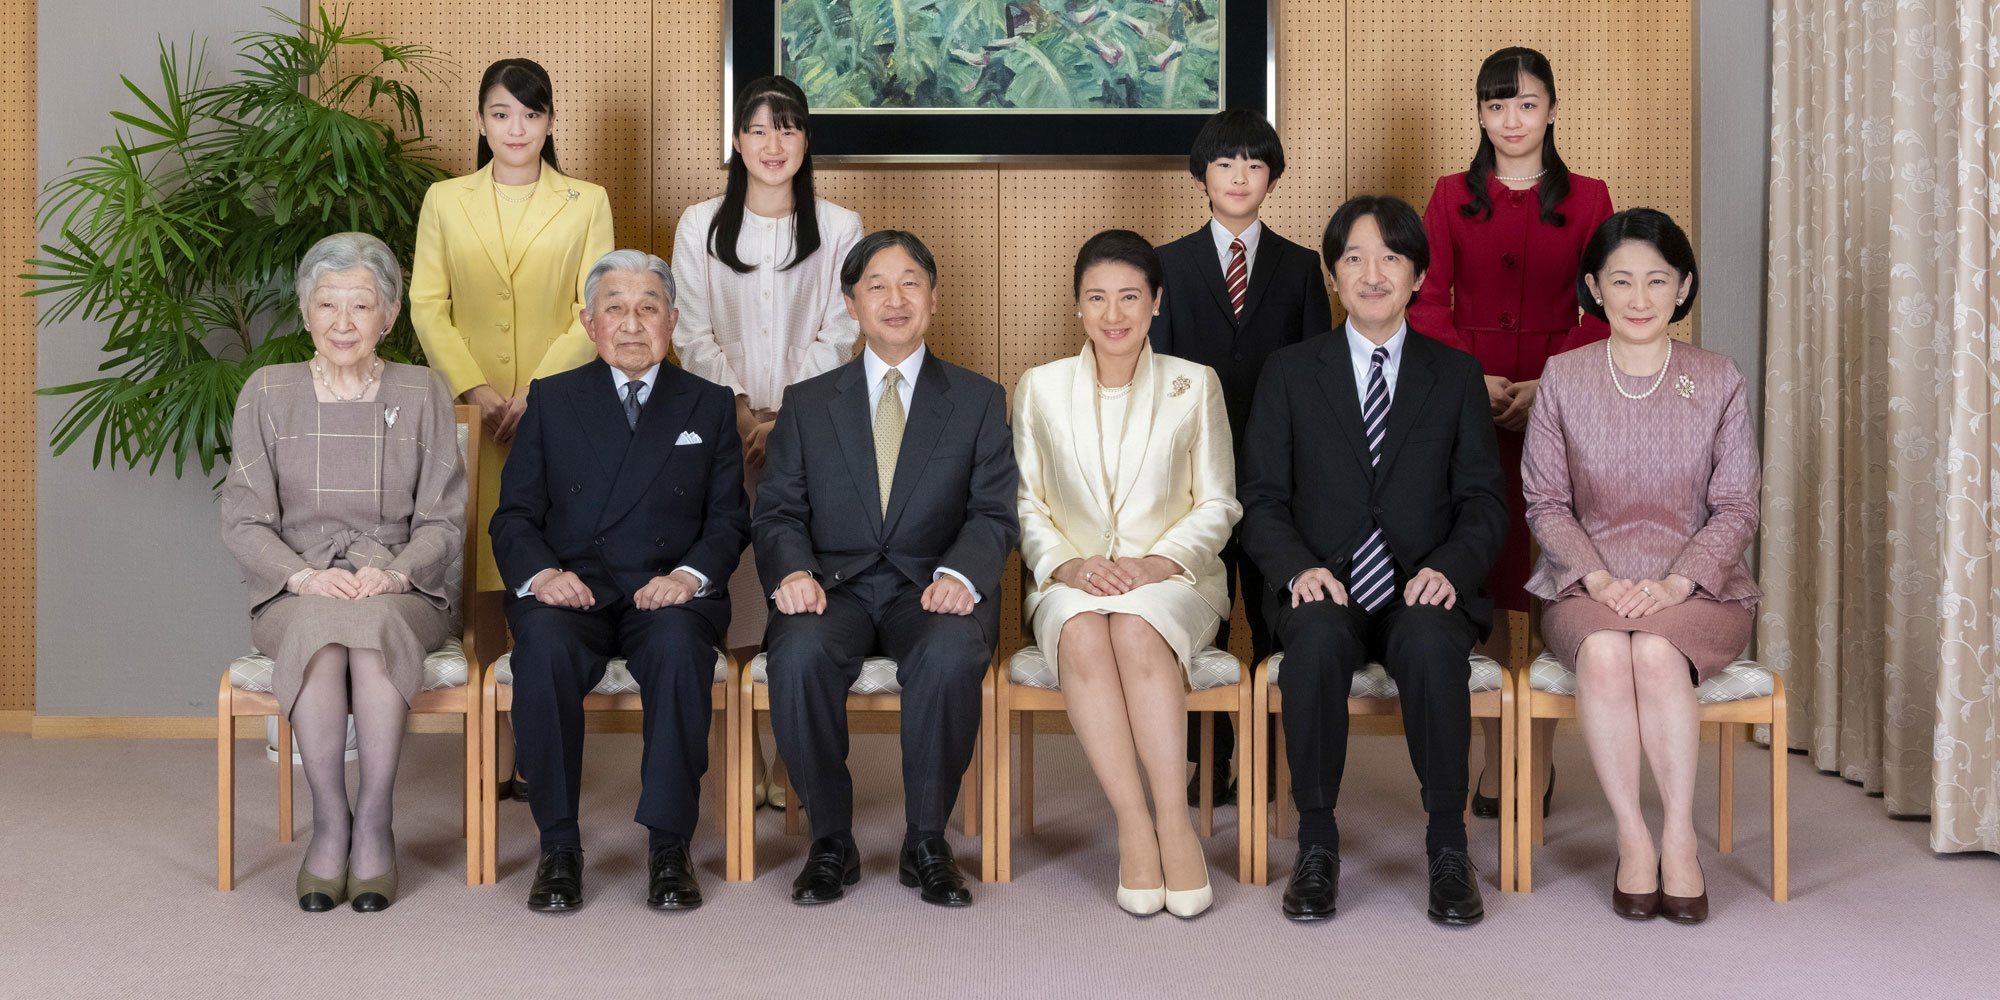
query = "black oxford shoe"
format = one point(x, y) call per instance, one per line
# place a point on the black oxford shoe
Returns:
point(832, 864)
point(1315, 886)
point(558, 884)
point(1455, 889)
point(928, 866)
point(670, 881)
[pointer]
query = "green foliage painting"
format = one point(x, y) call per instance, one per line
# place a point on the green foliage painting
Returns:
point(1033, 55)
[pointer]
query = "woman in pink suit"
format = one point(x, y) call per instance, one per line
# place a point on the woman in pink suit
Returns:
point(1640, 475)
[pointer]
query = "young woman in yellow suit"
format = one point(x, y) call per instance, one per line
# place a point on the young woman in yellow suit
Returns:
point(497, 283)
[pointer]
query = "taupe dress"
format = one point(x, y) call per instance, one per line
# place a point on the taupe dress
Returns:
point(353, 484)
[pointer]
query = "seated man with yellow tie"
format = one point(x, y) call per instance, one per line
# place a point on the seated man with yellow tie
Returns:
point(882, 524)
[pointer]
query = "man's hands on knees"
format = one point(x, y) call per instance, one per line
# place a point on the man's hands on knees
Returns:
point(800, 594)
point(1430, 587)
point(1317, 584)
point(678, 587)
point(947, 596)
point(562, 588)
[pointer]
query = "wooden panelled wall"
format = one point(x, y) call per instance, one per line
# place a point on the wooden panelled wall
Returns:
point(18, 444)
point(1374, 97)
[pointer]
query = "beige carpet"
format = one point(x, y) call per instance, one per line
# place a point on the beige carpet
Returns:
point(107, 890)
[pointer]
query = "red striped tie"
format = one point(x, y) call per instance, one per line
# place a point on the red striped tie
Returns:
point(1237, 277)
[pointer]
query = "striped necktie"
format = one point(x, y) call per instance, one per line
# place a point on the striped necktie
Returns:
point(1237, 277)
point(632, 403)
point(1371, 581)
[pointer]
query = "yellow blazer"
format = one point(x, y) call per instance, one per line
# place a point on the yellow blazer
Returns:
point(486, 319)
point(1176, 489)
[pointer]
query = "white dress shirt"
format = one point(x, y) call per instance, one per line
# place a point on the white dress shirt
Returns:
point(1251, 234)
point(618, 380)
point(906, 390)
point(1362, 351)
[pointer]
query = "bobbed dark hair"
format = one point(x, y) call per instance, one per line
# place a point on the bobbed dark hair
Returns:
point(868, 246)
point(1500, 80)
point(787, 104)
point(1652, 227)
point(1118, 246)
point(1236, 133)
point(530, 85)
point(1402, 229)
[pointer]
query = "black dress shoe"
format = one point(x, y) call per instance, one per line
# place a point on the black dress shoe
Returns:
point(670, 881)
point(832, 864)
point(1315, 885)
point(928, 866)
point(1455, 889)
point(558, 881)
point(1225, 788)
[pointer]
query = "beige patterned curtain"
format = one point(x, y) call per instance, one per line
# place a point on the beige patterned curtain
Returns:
point(1882, 462)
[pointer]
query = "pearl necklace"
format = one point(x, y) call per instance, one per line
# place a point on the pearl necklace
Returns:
point(1117, 392)
point(1612, 366)
point(1520, 180)
point(368, 380)
point(501, 190)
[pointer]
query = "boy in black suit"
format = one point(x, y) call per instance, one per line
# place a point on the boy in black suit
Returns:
point(1236, 291)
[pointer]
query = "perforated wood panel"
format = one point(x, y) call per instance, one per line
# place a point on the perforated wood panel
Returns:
point(18, 442)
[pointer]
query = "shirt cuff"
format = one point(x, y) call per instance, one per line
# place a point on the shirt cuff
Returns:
point(298, 579)
point(701, 579)
point(960, 577)
point(528, 589)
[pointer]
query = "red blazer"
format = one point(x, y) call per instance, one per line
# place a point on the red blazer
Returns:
point(1503, 289)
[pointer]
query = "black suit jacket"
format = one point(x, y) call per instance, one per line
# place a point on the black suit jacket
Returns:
point(618, 506)
point(952, 503)
point(1285, 303)
point(1310, 496)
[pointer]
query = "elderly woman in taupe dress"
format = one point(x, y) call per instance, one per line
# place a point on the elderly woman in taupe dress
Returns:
point(1640, 475)
point(344, 506)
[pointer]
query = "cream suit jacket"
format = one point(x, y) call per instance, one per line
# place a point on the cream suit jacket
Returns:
point(1176, 490)
point(486, 317)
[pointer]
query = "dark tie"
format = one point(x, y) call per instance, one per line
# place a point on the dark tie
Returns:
point(1372, 579)
point(632, 403)
point(1237, 277)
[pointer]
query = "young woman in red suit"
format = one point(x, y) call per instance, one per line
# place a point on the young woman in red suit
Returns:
point(1505, 240)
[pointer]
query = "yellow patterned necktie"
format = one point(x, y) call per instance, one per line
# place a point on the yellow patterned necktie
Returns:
point(888, 434)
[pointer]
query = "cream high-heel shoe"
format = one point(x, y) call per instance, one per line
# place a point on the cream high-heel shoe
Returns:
point(1141, 902)
point(1190, 903)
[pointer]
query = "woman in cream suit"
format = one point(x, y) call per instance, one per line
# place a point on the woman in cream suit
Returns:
point(1127, 497)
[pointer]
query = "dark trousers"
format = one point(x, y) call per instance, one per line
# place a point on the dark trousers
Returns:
point(1424, 648)
point(1234, 562)
point(813, 659)
point(560, 654)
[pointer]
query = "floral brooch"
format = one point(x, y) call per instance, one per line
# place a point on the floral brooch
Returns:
point(1181, 385)
point(1685, 386)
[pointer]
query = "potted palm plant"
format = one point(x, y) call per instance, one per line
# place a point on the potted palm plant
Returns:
point(182, 233)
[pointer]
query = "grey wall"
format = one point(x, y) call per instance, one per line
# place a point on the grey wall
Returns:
point(1733, 102)
point(138, 607)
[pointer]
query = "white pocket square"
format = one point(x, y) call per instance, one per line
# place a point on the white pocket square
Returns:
point(688, 437)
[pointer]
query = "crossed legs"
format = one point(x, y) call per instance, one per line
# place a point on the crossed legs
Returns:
point(339, 680)
point(1634, 696)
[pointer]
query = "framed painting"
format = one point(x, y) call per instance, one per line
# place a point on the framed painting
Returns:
point(988, 81)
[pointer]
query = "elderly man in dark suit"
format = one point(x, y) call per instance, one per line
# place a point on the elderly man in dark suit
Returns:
point(1372, 502)
point(883, 521)
point(621, 513)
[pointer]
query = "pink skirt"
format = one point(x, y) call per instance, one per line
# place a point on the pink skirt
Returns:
point(1711, 634)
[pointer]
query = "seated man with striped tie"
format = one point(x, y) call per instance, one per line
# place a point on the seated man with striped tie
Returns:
point(882, 524)
point(1371, 491)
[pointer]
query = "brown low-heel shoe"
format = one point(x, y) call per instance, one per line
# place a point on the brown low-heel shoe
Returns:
point(1634, 905)
point(1686, 909)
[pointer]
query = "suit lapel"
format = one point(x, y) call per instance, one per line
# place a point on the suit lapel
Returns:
point(1336, 380)
point(1084, 434)
point(595, 403)
point(555, 196)
point(930, 407)
point(651, 444)
point(1269, 251)
point(1413, 386)
point(854, 433)
point(476, 198)
point(1140, 409)
point(1211, 274)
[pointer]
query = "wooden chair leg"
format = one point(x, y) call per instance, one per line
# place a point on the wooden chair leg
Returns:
point(991, 742)
point(225, 789)
point(1781, 889)
point(285, 768)
point(1027, 773)
point(1003, 782)
point(489, 783)
point(1726, 738)
point(1257, 833)
point(1245, 721)
point(726, 740)
point(469, 821)
point(746, 802)
point(1524, 788)
point(1205, 776)
point(1508, 754)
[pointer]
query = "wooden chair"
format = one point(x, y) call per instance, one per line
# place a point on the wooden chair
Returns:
point(877, 690)
point(1743, 693)
point(1373, 692)
point(617, 692)
point(447, 689)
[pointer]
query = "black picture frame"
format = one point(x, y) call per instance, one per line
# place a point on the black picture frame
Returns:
point(1104, 138)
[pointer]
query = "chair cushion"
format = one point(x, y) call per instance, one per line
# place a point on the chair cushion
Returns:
point(1212, 668)
point(878, 676)
point(617, 676)
point(445, 667)
point(1373, 681)
point(1739, 681)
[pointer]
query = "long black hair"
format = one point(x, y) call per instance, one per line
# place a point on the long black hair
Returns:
point(529, 83)
point(1499, 80)
point(787, 104)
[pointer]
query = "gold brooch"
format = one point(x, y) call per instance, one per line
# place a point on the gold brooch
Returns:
point(1181, 385)
point(1684, 386)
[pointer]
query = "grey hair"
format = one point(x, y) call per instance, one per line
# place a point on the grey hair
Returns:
point(637, 261)
point(345, 252)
